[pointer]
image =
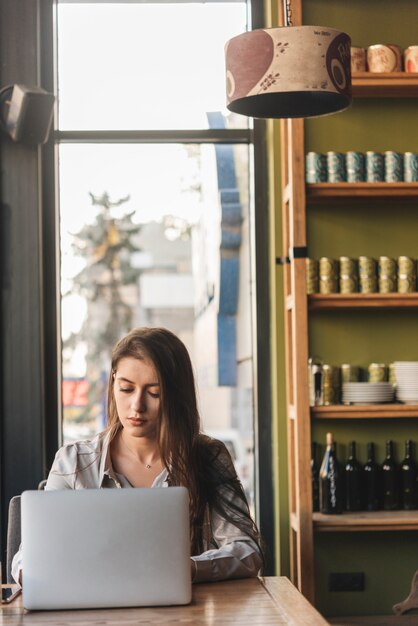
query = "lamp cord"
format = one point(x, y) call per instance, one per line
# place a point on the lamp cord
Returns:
point(287, 12)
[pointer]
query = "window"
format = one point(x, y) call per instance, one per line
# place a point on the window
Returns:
point(155, 197)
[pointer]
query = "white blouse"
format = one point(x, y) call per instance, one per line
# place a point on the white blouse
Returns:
point(88, 465)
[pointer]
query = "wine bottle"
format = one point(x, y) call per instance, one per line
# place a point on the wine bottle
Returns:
point(353, 481)
point(390, 480)
point(372, 481)
point(315, 477)
point(409, 495)
point(330, 480)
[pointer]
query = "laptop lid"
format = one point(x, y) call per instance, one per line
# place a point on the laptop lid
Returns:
point(95, 548)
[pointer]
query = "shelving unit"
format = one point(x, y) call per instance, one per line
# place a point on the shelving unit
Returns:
point(363, 411)
point(296, 197)
point(388, 85)
point(318, 193)
point(366, 521)
point(317, 301)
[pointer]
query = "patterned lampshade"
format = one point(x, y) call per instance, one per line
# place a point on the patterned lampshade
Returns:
point(292, 71)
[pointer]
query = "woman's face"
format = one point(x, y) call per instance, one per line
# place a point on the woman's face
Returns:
point(137, 396)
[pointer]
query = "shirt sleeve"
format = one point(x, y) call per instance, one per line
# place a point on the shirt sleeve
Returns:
point(17, 564)
point(236, 555)
point(61, 476)
point(63, 471)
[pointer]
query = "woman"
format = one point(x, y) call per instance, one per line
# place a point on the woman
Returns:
point(153, 439)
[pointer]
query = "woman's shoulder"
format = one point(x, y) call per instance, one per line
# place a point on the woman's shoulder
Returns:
point(82, 447)
point(215, 453)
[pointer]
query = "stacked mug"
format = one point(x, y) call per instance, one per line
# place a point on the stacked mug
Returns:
point(336, 167)
point(330, 384)
point(407, 275)
point(375, 167)
point(348, 275)
point(349, 373)
point(378, 373)
point(410, 167)
point(367, 274)
point(356, 168)
point(328, 275)
point(316, 167)
point(387, 275)
point(312, 276)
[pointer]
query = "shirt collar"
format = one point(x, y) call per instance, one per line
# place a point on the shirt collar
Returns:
point(106, 467)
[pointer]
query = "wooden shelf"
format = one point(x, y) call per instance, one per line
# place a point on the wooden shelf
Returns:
point(366, 521)
point(385, 85)
point(364, 411)
point(351, 192)
point(318, 301)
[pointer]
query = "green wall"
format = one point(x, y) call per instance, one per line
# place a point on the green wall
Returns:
point(388, 560)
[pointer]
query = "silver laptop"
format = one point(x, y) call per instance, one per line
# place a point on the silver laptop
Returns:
point(106, 548)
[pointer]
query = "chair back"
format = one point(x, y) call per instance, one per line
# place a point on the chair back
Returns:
point(13, 535)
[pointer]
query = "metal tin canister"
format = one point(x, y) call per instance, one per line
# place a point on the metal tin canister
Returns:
point(336, 167)
point(330, 384)
point(410, 167)
point(349, 373)
point(355, 166)
point(358, 59)
point(393, 167)
point(378, 372)
point(316, 167)
point(375, 167)
point(384, 58)
point(410, 59)
point(312, 276)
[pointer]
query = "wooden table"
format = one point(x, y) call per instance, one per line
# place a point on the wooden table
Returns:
point(249, 602)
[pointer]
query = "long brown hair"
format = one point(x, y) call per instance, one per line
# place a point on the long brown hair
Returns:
point(193, 460)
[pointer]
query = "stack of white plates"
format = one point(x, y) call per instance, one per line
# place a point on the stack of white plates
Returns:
point(406, 373)
point(367, 393)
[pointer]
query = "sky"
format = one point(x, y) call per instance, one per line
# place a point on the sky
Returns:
point(135, 66)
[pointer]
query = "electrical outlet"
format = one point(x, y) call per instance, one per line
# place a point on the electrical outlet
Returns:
point(346, 581)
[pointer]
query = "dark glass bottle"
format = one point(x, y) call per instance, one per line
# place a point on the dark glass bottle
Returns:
point(330, 481)
point(409, 492)
point(353, 481)
point(372, 481)
point(390, 480)
point(315, 477)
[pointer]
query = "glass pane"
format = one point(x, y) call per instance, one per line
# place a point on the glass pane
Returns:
point(158, 235)
point(146, 65)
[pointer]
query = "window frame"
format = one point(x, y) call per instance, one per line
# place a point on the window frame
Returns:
point(48, 422)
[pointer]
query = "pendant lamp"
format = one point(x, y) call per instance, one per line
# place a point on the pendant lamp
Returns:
point(287, 72)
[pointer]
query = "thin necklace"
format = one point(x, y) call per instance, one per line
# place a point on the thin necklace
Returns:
point(146, 465)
